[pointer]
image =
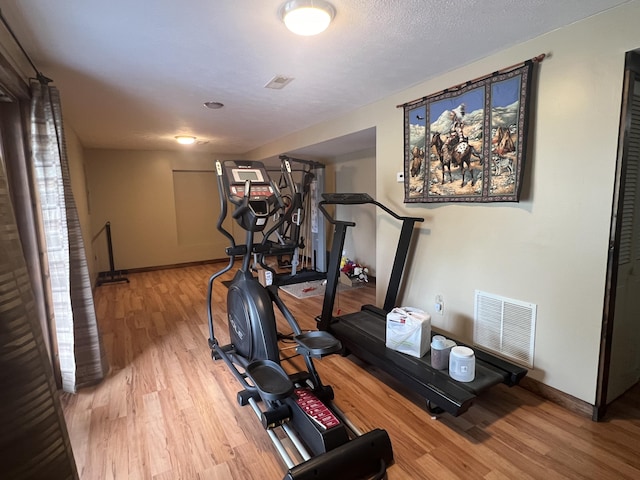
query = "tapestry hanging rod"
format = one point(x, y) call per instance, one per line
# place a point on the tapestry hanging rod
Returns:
point(39, 75)
point(537, 59)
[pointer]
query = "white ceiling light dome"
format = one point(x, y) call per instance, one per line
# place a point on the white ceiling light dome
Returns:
point(307, 17)
point(185, 139)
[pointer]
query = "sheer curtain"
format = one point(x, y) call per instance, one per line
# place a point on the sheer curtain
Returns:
point(81, 354)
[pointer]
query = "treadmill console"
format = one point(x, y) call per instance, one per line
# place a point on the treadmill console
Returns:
point(347, 198)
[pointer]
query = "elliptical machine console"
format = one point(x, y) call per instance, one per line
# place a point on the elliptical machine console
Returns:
point(327, 444)
point(250, 189)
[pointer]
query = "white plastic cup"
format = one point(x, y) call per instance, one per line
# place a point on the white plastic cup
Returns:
point(438, 346)
point(440, 349)
point(462, 364)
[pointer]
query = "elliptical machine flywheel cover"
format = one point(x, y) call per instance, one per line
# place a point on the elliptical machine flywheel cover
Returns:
point(252, 324)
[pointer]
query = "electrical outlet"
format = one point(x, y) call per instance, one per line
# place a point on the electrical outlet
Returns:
point(439, 305)
point(400, 177)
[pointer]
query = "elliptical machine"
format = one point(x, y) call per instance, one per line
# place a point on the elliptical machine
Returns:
point(329, 446)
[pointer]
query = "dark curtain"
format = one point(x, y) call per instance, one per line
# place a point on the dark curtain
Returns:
point(34, 442)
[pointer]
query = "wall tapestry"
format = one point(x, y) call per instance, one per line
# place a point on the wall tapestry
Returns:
point(468, 143)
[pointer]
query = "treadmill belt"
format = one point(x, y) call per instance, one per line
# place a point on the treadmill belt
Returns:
point(363, 334)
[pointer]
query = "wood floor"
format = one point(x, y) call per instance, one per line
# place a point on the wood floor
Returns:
point(168, 411)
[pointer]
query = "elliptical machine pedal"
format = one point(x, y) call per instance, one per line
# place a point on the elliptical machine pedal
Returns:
point(270, 379)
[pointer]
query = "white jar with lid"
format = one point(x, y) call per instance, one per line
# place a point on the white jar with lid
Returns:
point(462, 364)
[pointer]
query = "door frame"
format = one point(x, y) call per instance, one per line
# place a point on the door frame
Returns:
point(631, 74)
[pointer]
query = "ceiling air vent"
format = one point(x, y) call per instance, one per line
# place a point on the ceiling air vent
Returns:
point(278, 82)
point(505, 327)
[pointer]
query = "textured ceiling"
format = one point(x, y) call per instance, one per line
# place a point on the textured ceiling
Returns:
point(135, 73)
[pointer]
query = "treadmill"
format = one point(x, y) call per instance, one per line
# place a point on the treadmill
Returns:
point(363, 333)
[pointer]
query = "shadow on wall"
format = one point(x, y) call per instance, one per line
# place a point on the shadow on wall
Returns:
point(421, 231)
point(360, 242)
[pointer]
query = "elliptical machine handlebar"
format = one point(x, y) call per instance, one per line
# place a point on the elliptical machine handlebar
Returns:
point(278, 195)
point(291, 185)
point(243, 204)
point(223, 206)
point(288, 176)
point(288, 210)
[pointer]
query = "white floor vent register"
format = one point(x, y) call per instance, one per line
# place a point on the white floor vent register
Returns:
point(505, 327)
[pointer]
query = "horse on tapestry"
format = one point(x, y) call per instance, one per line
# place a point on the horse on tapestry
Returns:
point(417, 156)
point(455, 151)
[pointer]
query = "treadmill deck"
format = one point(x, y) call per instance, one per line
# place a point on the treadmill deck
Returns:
point(363, 335)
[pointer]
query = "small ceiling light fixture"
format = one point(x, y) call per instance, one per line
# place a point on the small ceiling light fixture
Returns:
point(307, 17)
point(185, 139)
point(213, 105)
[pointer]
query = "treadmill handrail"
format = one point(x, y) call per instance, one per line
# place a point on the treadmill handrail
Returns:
point(333, 273)
point(332, 220)
point(361, 199)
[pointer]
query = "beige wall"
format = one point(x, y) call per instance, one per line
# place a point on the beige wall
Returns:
point(134, 191)
point(356, 172)
point(551, 248)
point(75, 155)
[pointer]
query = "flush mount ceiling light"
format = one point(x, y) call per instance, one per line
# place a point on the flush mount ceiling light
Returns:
point(213, 105)
point(185, 139)
point(307, 17)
